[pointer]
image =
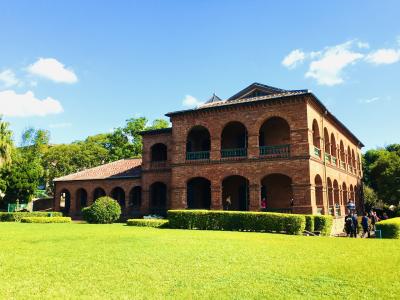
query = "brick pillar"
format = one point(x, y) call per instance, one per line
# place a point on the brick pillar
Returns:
point(215, 151)
point(255, 195)
point(145, 207)
point(178, 198)
point(57, 199)
point(253, 146)
point(216, 197)
point(302, 199)
point(126, 212)
point(72, 208)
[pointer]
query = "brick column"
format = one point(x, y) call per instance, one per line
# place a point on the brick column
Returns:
point(178, 198)
point(72, 208)
point(302, 199)
point(255, 194)
point(215, 151)
point(145, 207)
point(253, 146)
point(216, 197)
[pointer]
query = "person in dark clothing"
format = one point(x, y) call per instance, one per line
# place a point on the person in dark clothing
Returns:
point(355, 225)
point(348, 225)
point(365, 225)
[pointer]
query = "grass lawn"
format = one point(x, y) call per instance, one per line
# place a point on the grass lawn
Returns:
point(119, 262)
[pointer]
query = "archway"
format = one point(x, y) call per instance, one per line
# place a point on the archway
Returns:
point(234, 140)
point(135, 197)
point(198, 193)
point(158, 152)
point(158, 198)
point(198, 143)
point(330, 196)
point(327, 142)
point(344, 194)
point(316, 138)
point(277, 190)
point(336, 197)
point(235, 193)
point(351, 193)
point(319, 194)
point(118, 194)
point(97, 193)
point(65, 201)
point(81, 199)
point(342, 155)
point(274, 138)
point(333, 146)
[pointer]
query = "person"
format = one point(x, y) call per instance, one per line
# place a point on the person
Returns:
point(374, 220)
point(228, 203)
point(263, 204)
point(355, 225)
point(365, 225)
point(348, 225)
point(385, 216)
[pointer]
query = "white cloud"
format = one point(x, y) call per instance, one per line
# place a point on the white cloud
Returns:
point(370, 100)
point(8, 78)
point(52, 69)
point(362, 45)
point(25, 105)
point(383, 56)
point(328, 69)
point(60, 125)
point(190, 101)
point(293, 59)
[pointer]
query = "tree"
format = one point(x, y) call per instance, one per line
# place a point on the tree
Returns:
point(6, 143)
point(370, 197)
point(21, 178)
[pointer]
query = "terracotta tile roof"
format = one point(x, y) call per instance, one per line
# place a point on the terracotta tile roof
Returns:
point(124, 168)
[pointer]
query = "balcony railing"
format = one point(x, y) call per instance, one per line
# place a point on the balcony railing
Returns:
point(278, 151)
point(198, 155)
point(334, 160)
point(343, 165)
point(328, 157)
point(237, 152)
point(317, 151)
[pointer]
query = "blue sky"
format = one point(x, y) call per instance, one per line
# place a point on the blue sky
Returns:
point(79, 68)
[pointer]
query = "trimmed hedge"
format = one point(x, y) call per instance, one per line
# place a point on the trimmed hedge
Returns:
point(309, 223)
point(236, 221)
point(17, 216)
point(323, 224)
point(105, 210)
point(46, 220)
point(157, 223)
point(390, 228)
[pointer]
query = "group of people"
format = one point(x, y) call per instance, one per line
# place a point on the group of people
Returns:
point(368, 222)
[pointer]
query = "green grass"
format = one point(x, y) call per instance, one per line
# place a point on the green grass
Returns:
point(42, 261)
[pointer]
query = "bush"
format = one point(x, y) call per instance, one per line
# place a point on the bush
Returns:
point(323, 224)
point(236, 221)
point(104, 210)
point(309, 223)
point(157, 223)
point(390, 228)
point(46, 220)
point(17, 216)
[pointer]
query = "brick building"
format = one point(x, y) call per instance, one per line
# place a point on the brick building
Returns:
point(283, 146)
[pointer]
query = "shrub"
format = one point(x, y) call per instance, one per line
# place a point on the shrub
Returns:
point(323, 224)
point(390, 228)
point(309, 223)
point(157, 223)
point(17, 216)
point(46, 220)
point(237, 221)
point(104, 210)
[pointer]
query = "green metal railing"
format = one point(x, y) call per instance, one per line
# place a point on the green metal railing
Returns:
point(343, 165)
point(334, 160)
point(317, 151)
point(278, 151)
point(12, 207)
point(197, 155)
point(327, 157)
point(236, 152)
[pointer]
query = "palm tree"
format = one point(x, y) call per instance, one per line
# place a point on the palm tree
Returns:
point(6, 143)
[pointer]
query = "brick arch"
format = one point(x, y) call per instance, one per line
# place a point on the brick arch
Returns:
point(158, 152)
point(327, 141)
point(234, 135)
point(277, 190)
point(235, 192)
point(316, 134)
point(255, 128)
point(286, 133)
point(98, 192)
point(319, 196)
point(198, 193)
